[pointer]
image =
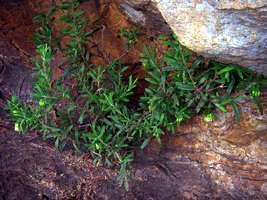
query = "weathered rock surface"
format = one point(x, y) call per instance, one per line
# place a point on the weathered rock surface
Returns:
point(144, 13)
point(231, 31)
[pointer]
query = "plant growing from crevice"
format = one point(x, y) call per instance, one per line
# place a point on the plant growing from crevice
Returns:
point(179, 90)
point(87, 106)
point(130, 36)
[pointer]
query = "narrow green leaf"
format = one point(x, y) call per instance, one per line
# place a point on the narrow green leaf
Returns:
point(257, 102)
point(236, 111)
point(225, 70)
point(66, 19)
point(145, 143)
point(221, 107)
point(230, 86)
point(185, 86)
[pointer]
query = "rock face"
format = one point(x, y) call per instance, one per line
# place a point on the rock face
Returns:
point(144, 13)
point(231, 31)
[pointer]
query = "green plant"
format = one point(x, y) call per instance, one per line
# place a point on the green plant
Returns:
point(88, 106)
point(23, 115)
point(178, 89)
point(130, 36)
point(208, 116)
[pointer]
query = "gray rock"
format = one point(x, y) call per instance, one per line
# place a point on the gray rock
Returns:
point(145, 13)
point(231, 31)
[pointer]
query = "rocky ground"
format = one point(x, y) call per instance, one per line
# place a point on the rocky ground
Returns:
point(220, 160)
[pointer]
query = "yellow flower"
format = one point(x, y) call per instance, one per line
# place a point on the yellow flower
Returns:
point(97, 146)
point(208, 117)
point(15, 112)
point(255, 93)
point(17, 127)
point(179, 119)
point(42, 103)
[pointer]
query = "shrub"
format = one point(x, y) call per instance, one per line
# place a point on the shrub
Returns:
point(178, 90)
point(88, 106)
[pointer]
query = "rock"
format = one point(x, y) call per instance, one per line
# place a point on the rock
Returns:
point(144, 13)
point(231, 31)
point(233, 157)
point(264, 188)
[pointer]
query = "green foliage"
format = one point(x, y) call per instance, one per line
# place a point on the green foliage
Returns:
point(208, 116)
point(178, 90)
point(23, 115)
point(130, 36)
point(88, 106)
point(45, 32)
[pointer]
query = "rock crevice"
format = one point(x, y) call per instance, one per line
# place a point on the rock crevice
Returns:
point(227, 31)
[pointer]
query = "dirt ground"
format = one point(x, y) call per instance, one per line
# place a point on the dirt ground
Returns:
point(31, 168)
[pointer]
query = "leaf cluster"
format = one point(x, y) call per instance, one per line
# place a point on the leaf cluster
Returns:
point(86, 106)
point(181, 87)
point(130, 35)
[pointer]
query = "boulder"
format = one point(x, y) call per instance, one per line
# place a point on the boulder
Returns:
point(231, 31)
point(145, 14)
